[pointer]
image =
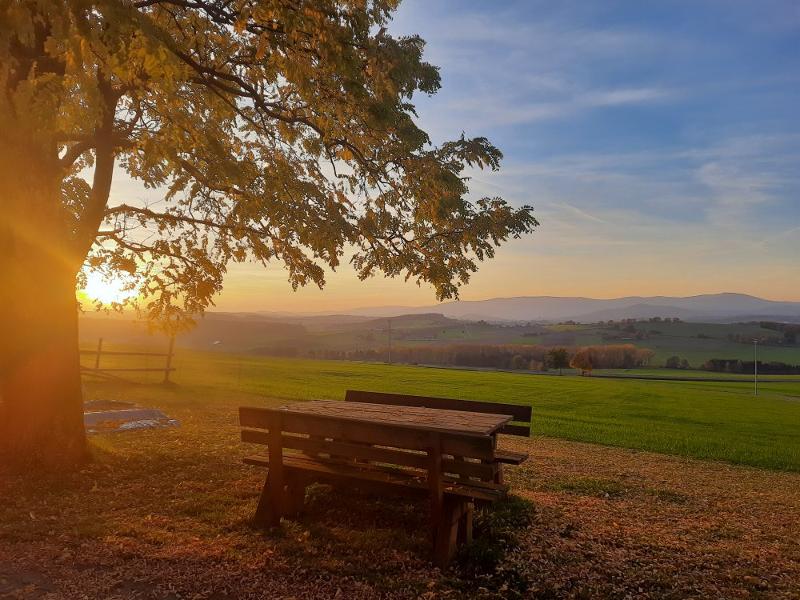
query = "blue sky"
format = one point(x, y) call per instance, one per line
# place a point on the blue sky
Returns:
point(658, 137)
point(658, 141)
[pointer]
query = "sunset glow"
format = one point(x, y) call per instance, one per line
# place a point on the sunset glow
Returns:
point(109, 291)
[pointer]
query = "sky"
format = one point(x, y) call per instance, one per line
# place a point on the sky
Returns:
point(659, 143)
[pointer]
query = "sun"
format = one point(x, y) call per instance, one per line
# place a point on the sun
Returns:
point(114, 290)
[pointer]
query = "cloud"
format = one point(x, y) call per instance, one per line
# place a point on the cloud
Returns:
point(583, 214)
point(500, 68)
point(732, 186)
point(722, 204)
point(576, 102)
point(622, 96)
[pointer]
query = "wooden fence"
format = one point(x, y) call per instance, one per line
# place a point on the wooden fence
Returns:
point(100, 371)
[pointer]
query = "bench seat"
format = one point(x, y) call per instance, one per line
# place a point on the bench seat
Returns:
point(521, 414)
point(333, 470)
point(511, 458)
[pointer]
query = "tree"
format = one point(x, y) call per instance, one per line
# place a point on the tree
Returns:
point(582, 360)
point(673, 362)
point(518, 362)
point(558, 358)
point(279, 131)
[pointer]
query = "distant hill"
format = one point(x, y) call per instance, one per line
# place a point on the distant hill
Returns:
point(706, 307)
point(229, 332)
point(263, 332)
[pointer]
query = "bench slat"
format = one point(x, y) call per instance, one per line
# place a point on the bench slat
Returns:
point(523, 430)
point(511, 458)
point(372, 453)
point(394, 478)
point(386, 455)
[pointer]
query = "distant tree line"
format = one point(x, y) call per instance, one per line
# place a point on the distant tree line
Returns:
point(676, 362)
point(732, 365)
point(613, 356)
point(494, 356)
point(790, 331)
point(787, 334)
point(764, 340)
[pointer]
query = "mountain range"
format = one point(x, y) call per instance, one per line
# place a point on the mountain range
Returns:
point(705, 307)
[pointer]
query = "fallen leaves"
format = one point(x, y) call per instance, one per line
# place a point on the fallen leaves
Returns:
point(167, 516)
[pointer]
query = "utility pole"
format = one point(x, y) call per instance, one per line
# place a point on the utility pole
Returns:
point(389, 321)
point(755, 367)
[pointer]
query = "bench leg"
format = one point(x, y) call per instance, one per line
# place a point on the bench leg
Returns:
point(266, 514)
point(296, 494)
point(498, 474)
point(465, 524)
point(498, 470)
point(447, 530)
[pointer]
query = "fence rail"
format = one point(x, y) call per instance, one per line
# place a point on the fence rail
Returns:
point(108, 371)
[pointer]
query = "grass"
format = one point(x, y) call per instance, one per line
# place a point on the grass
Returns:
point(165, 513)
point(709, 420)
point(693, 374)
point(590, 486)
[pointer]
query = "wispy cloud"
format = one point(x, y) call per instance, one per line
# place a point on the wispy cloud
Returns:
point(512, 111)
point(582, 213)
point(521, 71)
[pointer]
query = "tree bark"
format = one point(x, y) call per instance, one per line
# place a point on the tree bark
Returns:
point(41, 409)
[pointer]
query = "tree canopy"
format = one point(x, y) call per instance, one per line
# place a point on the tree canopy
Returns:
point(279, 130)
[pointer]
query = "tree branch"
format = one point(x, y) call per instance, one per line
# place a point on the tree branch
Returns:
point(93, 213)
point(123, 209)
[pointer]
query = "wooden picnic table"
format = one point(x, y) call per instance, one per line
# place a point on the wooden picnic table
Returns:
point(449, 455)
point(412, 417)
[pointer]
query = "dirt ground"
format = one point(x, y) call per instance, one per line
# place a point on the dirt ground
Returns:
point(159, 516)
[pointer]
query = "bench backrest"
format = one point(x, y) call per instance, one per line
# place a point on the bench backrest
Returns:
point(521, 414)
point(338, 439)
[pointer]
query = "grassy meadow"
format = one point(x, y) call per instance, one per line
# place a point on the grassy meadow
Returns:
point(166, 513)
point(708, 420)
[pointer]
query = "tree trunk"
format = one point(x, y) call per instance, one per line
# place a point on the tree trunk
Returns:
point(41, 418)
point(41, 409)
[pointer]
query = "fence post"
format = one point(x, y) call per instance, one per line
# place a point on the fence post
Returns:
point(99, 352)
point(168, 366)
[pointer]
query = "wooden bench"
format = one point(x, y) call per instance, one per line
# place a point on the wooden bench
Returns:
point(453, 470)
point(521, 414)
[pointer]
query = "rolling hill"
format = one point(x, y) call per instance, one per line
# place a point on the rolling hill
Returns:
point(703, 308)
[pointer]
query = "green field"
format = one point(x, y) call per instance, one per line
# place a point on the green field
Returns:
point(722, 421)
point(696, 342)
point(662, 373)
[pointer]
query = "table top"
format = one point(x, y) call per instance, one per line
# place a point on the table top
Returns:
point(415, 417)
